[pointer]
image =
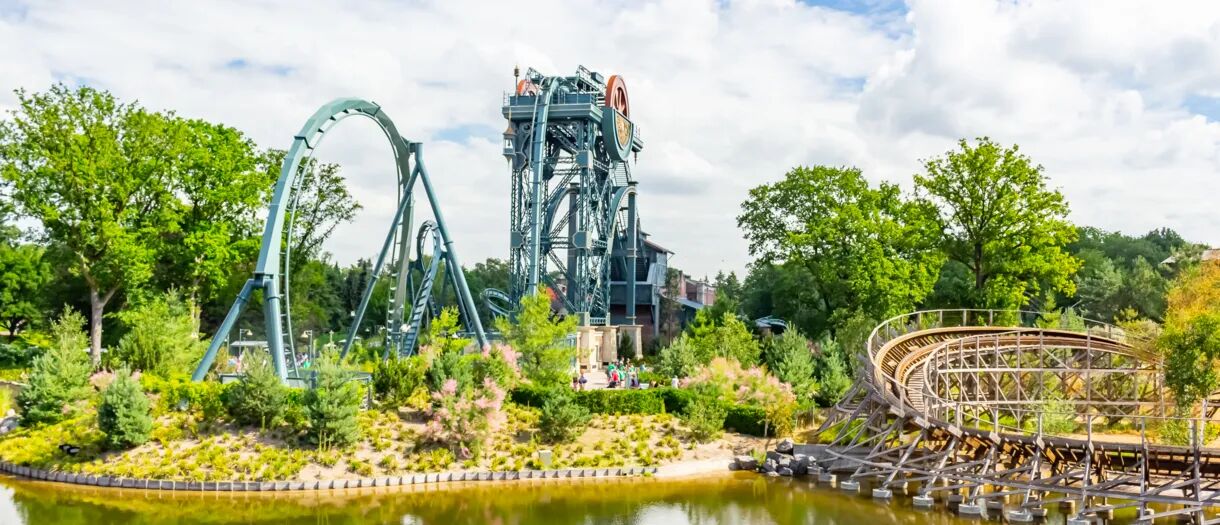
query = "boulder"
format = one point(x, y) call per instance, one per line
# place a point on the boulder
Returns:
point(784, 462)
point(785, 471)
point(9, 424)
point(773, 455)
point(800, 465)
point(784, 446)
point(745, 462)
point(773, 474)
point(770, 466)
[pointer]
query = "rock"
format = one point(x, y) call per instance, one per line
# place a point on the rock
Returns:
point(785, 446)
point(800, 465)
point(770, 466)
point(9, 424)
point(773, 455)
point(785, 471)
point(772, 474)
point(784, 462)
point(745, 462)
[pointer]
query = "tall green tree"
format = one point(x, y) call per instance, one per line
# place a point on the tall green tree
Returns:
point(541, 340)
point(865, 248)
point(1000, 221)
point(97, 174)
point(23, 277)
point(222, 182)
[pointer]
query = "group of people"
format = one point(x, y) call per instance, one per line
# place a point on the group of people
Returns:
point(618, 374)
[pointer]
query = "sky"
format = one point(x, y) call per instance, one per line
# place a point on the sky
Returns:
point(1119, 101)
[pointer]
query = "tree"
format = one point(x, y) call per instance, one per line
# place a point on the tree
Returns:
point(562, 418)
point(492, 273)
point(323, 203)
point(790, 358)
point(541, 339)
point(222, 183)
point(679, 359)
point(23, 276)
point(333, 404)
point(1190, 339)
point(60, 376)
point(162, 337)
point(998, 218)
point(124, 413)
point(259, 398)
point(865, 248)
point(96, 173)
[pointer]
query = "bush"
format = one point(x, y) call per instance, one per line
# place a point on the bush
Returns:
point(705, 416)
point(542, 340)
point(529, 395)
point(676, 400)
point(562, 417)
point(123, 414)
point(498, 363)
point(791, 360)
point(60, 377)
point(622, 401)
point(832, 372)
point(162, 337)
point(259, 398)
point(207, 398)
point(451, 365)
point(680, 358)
point(18, 355)
point(465, 420)
point(396, 378)
point(333, 405)
point(746, 419)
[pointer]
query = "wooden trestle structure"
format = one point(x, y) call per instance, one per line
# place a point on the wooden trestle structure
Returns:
point(974, 403)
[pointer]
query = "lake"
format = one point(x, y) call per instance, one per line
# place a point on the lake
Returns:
point(716, 499)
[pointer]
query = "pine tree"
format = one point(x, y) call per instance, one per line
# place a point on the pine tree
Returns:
point(124, 412)
point(333, 405)
point(59, 377)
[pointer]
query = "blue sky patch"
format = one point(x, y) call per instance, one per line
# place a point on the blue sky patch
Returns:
point(241, 64)
point(863, 7)
point(462, 133)
point(1204, 105)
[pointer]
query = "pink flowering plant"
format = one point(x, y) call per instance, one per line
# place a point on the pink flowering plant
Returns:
point(752, 386)
point(464, 420)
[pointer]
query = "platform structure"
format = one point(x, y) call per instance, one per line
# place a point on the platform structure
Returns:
point(1010, 413)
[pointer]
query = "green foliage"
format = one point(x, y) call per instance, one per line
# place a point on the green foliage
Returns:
point(747, 419)
point(1001, 222)
point(442, 350)
point(563, 418)
point(1190, 340)
point(124, 413)
point(204, 398)
point(679, 359)
point(705, 417)
point(333, 405)
point(541, 339)
point(162, 337)
point(834, 380)
point(259, 398)
point(862, 248)
point(1058, 417)
point(1122, 272)
point(23, 275)
point(18, 354)
point(790, 358)
point(396, 378)
point(60, 376)
point(606, 401)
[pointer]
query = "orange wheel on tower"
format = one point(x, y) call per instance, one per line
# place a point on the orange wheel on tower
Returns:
point(616, 95)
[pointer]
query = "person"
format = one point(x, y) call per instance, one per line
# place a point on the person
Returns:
point(674, 382)
point(583, 380)
point(575, 382)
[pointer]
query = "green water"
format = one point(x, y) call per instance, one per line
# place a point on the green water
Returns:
point(720, 499)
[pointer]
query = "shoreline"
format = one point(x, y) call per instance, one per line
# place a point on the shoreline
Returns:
point(439, 480)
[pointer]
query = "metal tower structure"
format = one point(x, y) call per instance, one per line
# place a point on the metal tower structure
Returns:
point(573, 210)
point(411, 300)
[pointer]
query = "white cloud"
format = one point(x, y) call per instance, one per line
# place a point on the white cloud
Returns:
point(728, 95)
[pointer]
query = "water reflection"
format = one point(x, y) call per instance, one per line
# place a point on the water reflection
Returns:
point(727, 499)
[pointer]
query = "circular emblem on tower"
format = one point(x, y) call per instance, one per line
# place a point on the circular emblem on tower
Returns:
point(616, 125)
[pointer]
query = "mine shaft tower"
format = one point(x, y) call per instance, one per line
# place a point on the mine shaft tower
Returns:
point(573, 210)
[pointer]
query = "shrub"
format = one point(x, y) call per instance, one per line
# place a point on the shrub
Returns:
point(622, 401)
point(679, 359)
point(333, 405)
point(18, 355)
point(705, 416)
point(60, 377)
point(259, 398)
point(499, 364)
point(834, 379)
point(207, 398)
point(123, 414)
point(725, 337)
point(675, 400)
point(541, 338)
point(450, 365)
point(747, 419)
point(396, 378)
point(162, 337)
point(562, 417)
point(464, 420)
point(750, 387)
point(789, 357)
